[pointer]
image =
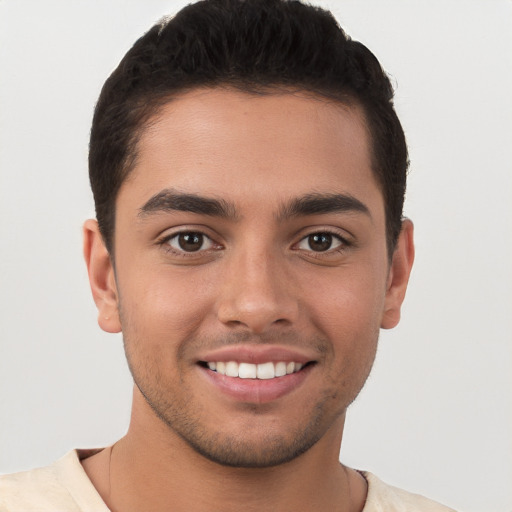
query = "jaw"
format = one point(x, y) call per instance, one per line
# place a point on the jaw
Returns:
point(248, 434)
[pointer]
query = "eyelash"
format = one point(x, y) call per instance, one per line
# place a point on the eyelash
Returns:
point(343, 243)
point(329, 256)
point(164, 242)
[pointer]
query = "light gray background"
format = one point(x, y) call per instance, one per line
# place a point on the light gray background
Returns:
point(436, 415)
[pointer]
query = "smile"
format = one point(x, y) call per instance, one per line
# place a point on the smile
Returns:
point(255, 373)
point(262, 371)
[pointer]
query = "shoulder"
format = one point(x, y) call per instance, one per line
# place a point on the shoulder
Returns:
point(386, 498)
point(61, 486)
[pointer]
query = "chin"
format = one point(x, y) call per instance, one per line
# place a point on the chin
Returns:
point(238, 452)
point(255, 443)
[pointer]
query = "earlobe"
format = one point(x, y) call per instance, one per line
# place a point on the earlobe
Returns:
point(101, 277)
point(399, 273)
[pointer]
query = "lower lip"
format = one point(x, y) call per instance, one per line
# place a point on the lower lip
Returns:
point(259, 391)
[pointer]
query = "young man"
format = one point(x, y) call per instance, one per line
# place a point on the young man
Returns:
point(248, 171)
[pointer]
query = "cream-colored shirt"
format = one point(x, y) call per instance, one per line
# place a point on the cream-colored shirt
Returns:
point(64, 487)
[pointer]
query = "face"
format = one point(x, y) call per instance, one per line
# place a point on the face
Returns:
point(251, 271)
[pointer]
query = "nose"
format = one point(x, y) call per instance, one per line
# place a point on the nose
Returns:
point(258, 293)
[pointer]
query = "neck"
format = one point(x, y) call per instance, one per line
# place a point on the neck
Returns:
point(153, 471)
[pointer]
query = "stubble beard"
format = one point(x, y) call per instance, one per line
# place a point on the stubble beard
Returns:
point(233, 450)
point(268, 448)
point(236, 450)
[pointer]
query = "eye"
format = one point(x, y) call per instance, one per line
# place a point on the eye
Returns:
point(190, 241)
point(320, 242)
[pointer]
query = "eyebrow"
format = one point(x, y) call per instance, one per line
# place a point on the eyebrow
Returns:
point(170, 200)
point(317, 204)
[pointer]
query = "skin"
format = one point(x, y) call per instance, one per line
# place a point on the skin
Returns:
point(258, 280)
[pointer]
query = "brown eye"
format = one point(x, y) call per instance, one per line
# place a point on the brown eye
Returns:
point(320, 242)
point(190, 241)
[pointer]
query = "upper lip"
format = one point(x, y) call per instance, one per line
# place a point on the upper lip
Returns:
point(256, 354)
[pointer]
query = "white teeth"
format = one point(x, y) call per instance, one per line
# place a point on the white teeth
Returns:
point(247, 371)
point(266, 371)
point(232, 369)
point(280, 369)
point(262, 371)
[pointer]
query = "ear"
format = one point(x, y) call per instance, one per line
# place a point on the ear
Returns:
point(101, 277)
point(399, 272)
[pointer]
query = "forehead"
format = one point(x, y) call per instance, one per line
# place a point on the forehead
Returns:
point(224, 142)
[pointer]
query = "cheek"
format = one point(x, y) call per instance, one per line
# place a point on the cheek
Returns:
point(348, 312)
point(348, 301)
point(162, 307)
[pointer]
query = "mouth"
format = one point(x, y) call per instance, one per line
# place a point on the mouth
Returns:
point(256, 374)
point(261, 371)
